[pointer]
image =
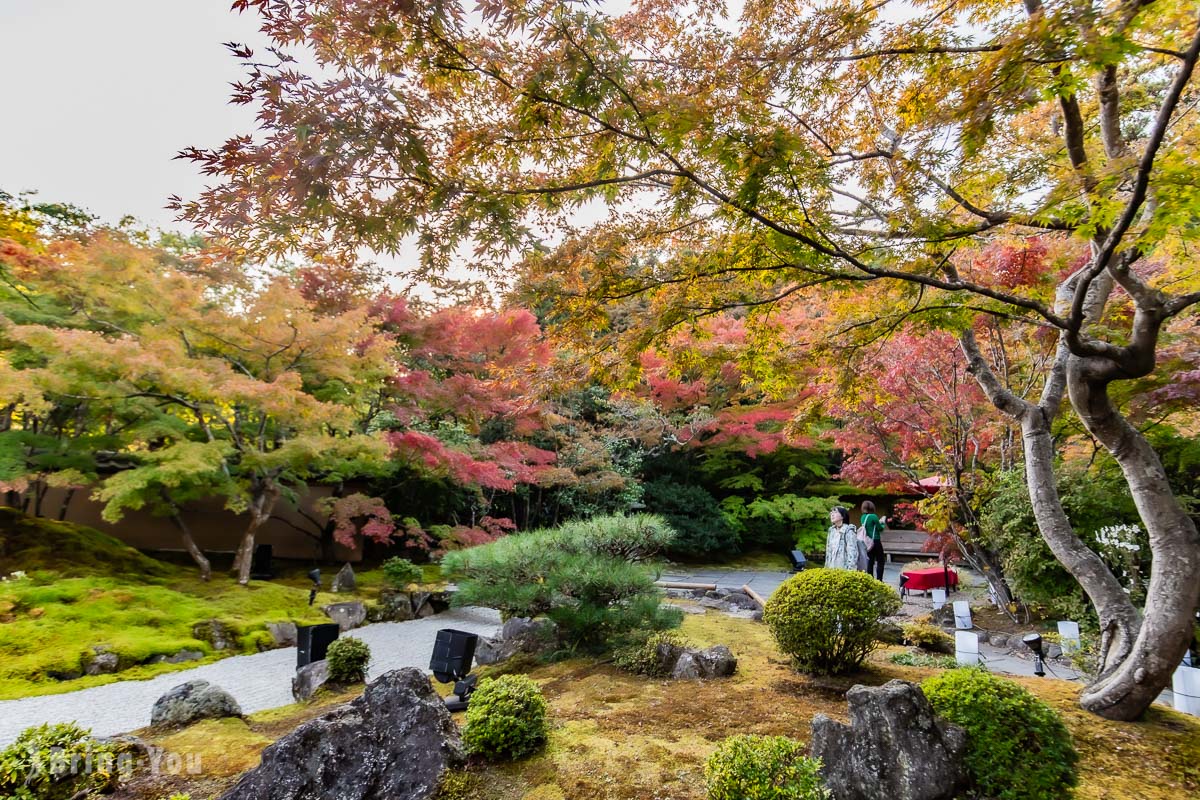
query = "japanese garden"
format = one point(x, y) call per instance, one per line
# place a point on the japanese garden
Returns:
point(602, 400)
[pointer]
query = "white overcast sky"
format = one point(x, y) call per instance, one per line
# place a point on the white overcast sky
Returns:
point(99, 95)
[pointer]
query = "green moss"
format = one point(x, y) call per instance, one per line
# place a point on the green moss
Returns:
point(34, 544)
point(85, 589)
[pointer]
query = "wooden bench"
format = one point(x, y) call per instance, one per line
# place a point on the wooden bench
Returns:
point(906, 543)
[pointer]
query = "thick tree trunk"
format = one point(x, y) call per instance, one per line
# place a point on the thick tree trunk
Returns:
point(193, 549)
point(266, 494)
point(1134, 673)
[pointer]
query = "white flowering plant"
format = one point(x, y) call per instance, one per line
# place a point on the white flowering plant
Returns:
point(1121, 547)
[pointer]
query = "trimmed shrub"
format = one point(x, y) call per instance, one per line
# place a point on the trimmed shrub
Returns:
point(400, 572)
point(927, 637)
point(506, 718)
point(641, 655)
point(827, 620)
point(582, 575)
point(348, 660)
point(56, 762)
point(749, 767)
point(1017, 746)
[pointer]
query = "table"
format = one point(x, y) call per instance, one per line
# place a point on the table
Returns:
point(931, 578)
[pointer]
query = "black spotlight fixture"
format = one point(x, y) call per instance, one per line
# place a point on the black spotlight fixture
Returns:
point(1034, 642)
point(799, 562)
point(314, 575)
point(453, 652)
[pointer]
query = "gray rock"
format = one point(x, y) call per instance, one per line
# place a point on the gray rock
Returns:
point(309, 678)
point(395, 741)
point(182, 657)
point(715, 662)
point(215, 633)
point(943, 616)
point(1053, 650)
point(347, 615)
point(344, 581)
point(999, 639)
point(889, 633)
point(102, 662)
point(394, 606)
point(715, 594)
point(518, 635)
point(689, 609)
point(743, 601)
point(192, 701)
point(709, 602)
point(894, 747)
point(282, 633)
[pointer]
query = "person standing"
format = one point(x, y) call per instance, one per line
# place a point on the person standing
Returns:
point(873, 527)
point(841, 545)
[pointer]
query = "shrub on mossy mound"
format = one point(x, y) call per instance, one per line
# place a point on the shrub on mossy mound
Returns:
point(1017, 746)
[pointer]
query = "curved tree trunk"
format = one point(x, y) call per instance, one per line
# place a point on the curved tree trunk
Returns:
point(193, 549)
point(265, 494)
point(1135, 673)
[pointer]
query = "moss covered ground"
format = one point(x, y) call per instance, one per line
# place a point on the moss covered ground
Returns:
point(621, 737)
point(83, 589)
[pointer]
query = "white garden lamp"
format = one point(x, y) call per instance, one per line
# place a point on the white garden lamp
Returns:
point(966, 647)
point(1185, 683)
point(1068, 636)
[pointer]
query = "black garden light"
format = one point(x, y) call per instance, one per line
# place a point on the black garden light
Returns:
point(1034, 642)
point(315, 576)
point(453, 652)
point(799, 562)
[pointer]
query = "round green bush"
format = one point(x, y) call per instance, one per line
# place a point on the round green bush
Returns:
point(751, 767)
point(827, 620)
point(57, 762)
point(1017, 746)
point(348, 660)
point(400, 572)
point(506, 718)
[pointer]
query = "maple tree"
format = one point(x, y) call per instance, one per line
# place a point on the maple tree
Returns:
point(750, 161)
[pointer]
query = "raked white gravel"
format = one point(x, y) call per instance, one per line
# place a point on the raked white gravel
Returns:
point(257, 682)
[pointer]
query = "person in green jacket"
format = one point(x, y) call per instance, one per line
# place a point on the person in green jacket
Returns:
point(873, 527)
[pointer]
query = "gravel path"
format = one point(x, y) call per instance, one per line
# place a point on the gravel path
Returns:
point(258, 682)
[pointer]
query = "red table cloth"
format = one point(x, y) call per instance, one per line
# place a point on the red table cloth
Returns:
point(932, 578)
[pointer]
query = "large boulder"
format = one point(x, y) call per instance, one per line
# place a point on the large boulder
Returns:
point(894, 747)
point(395, 741)
point(347, 615)
point(193, 701)
point(101, 661)
point(215, 633)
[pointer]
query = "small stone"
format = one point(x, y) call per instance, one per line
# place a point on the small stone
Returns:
point(347, 615)
point(689, 609)
point(181, 657)
point(1053, 650)
point(999, 640)
point(193, 701)
point(308, 679)
point(344, 581)
point(215, 633)
point(102, 662)
point(282, 633)
point(692, 664)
